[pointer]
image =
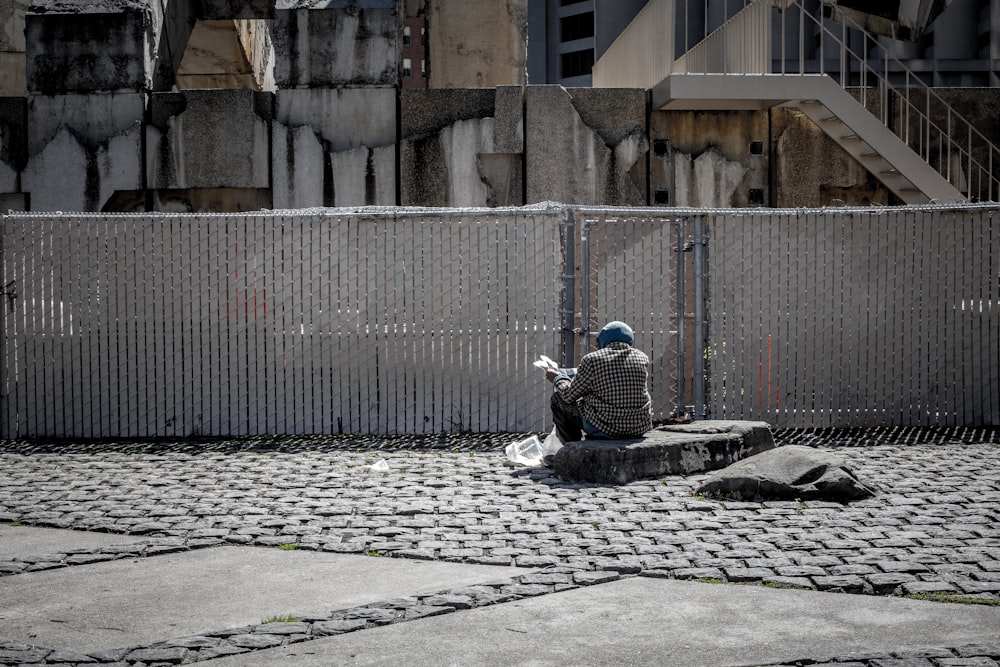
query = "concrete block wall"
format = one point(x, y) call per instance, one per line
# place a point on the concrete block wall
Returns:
point(462, 147)
point(82, 148)
point(334, 136)
point(586, 145)
point(100, 125)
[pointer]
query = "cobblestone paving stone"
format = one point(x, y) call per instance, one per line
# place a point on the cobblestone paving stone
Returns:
point(934, 526)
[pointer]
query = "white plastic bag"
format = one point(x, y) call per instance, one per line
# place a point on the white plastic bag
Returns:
point(527, 452)
point(553, 443)
point(531, 450)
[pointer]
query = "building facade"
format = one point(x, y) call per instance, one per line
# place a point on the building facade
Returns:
point(959, 48)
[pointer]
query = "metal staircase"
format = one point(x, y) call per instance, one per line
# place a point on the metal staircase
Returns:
point(842, 78)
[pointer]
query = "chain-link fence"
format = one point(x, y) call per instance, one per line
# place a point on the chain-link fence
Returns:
point(427, 321)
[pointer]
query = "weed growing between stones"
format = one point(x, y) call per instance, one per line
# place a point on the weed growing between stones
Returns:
point(949, 597)
point(289, 547)
point(278, 619)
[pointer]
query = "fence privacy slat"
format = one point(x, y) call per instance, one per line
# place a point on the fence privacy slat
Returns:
point(426, 321)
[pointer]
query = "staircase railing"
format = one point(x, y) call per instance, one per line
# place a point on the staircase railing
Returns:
point(915, 112)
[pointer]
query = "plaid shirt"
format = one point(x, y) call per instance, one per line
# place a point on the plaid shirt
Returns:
point(610, 390)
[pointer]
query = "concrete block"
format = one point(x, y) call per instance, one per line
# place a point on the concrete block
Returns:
point(586, 147)
point(477, 43)
point(81, 149)
point(667, 450)
point(811, 170)
point(329, 44)
point(13, 202)
point(715, 159)
point(209, 139)
point(509, 124)
point(12, 25)
point(91, 45)
point(461, 147)
point(364, 177)
point(12, 80)
point(13, 141)
point(334, 147)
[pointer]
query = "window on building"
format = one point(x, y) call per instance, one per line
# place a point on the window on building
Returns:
point(423, 68)
point(577, 26)
point(407, 68)
point(577, 63)
point(407, 38)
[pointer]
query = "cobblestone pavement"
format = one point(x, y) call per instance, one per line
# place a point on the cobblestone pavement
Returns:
point(934, 526)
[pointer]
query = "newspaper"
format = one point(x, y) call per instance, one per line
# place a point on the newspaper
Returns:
point(547, 364)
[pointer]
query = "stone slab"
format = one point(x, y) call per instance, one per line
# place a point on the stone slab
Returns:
point(668, 450)
point(643, 621)
point(138, 601)
point(326, 47)
point(28, 541)
point(209, 139)
point(88, 46)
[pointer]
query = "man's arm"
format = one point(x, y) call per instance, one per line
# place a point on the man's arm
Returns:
point(572, 389)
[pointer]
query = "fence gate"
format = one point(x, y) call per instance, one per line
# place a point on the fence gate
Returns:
point(644, 267)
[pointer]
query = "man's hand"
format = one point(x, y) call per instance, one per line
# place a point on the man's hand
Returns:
point(550, 375)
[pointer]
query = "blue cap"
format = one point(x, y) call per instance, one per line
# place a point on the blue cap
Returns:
point(614, 332)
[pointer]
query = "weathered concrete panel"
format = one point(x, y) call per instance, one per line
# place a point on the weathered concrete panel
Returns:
point(810, 170)
point(320, 45)
point(318, 131)
point(363, 177)
point(84, 46)
point(455, 151)
point(13, 141)
point(209, 139)
point(477, 43)
point(709, 158)
point(586, 145)
point(81, 149)
point(12, 80)
point(509, 114)
point(12, 25)
point(12, 202)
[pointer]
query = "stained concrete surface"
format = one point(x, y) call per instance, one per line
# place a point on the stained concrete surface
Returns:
point(645, 621)
point(135, 601)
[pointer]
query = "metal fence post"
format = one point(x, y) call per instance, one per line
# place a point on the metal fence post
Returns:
point(680, 317)
point(699, 316)
point(569, 291)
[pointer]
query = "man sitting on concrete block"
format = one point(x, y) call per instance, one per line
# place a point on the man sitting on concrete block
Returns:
point(608, 397)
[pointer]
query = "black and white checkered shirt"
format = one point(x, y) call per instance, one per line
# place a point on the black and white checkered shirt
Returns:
point(610, 389)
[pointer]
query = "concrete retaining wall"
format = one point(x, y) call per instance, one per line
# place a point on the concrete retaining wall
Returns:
point(92, 119)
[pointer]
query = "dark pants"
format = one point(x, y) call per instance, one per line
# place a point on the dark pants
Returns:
point(566, 416)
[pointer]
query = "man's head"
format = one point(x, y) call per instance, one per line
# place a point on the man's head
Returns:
point(614, 332)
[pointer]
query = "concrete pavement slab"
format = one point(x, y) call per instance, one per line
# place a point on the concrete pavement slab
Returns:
point(645, 621)
point(27, 541)
point(138, 601)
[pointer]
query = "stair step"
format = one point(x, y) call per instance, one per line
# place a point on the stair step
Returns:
point(850, 137)
point(829, 119)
